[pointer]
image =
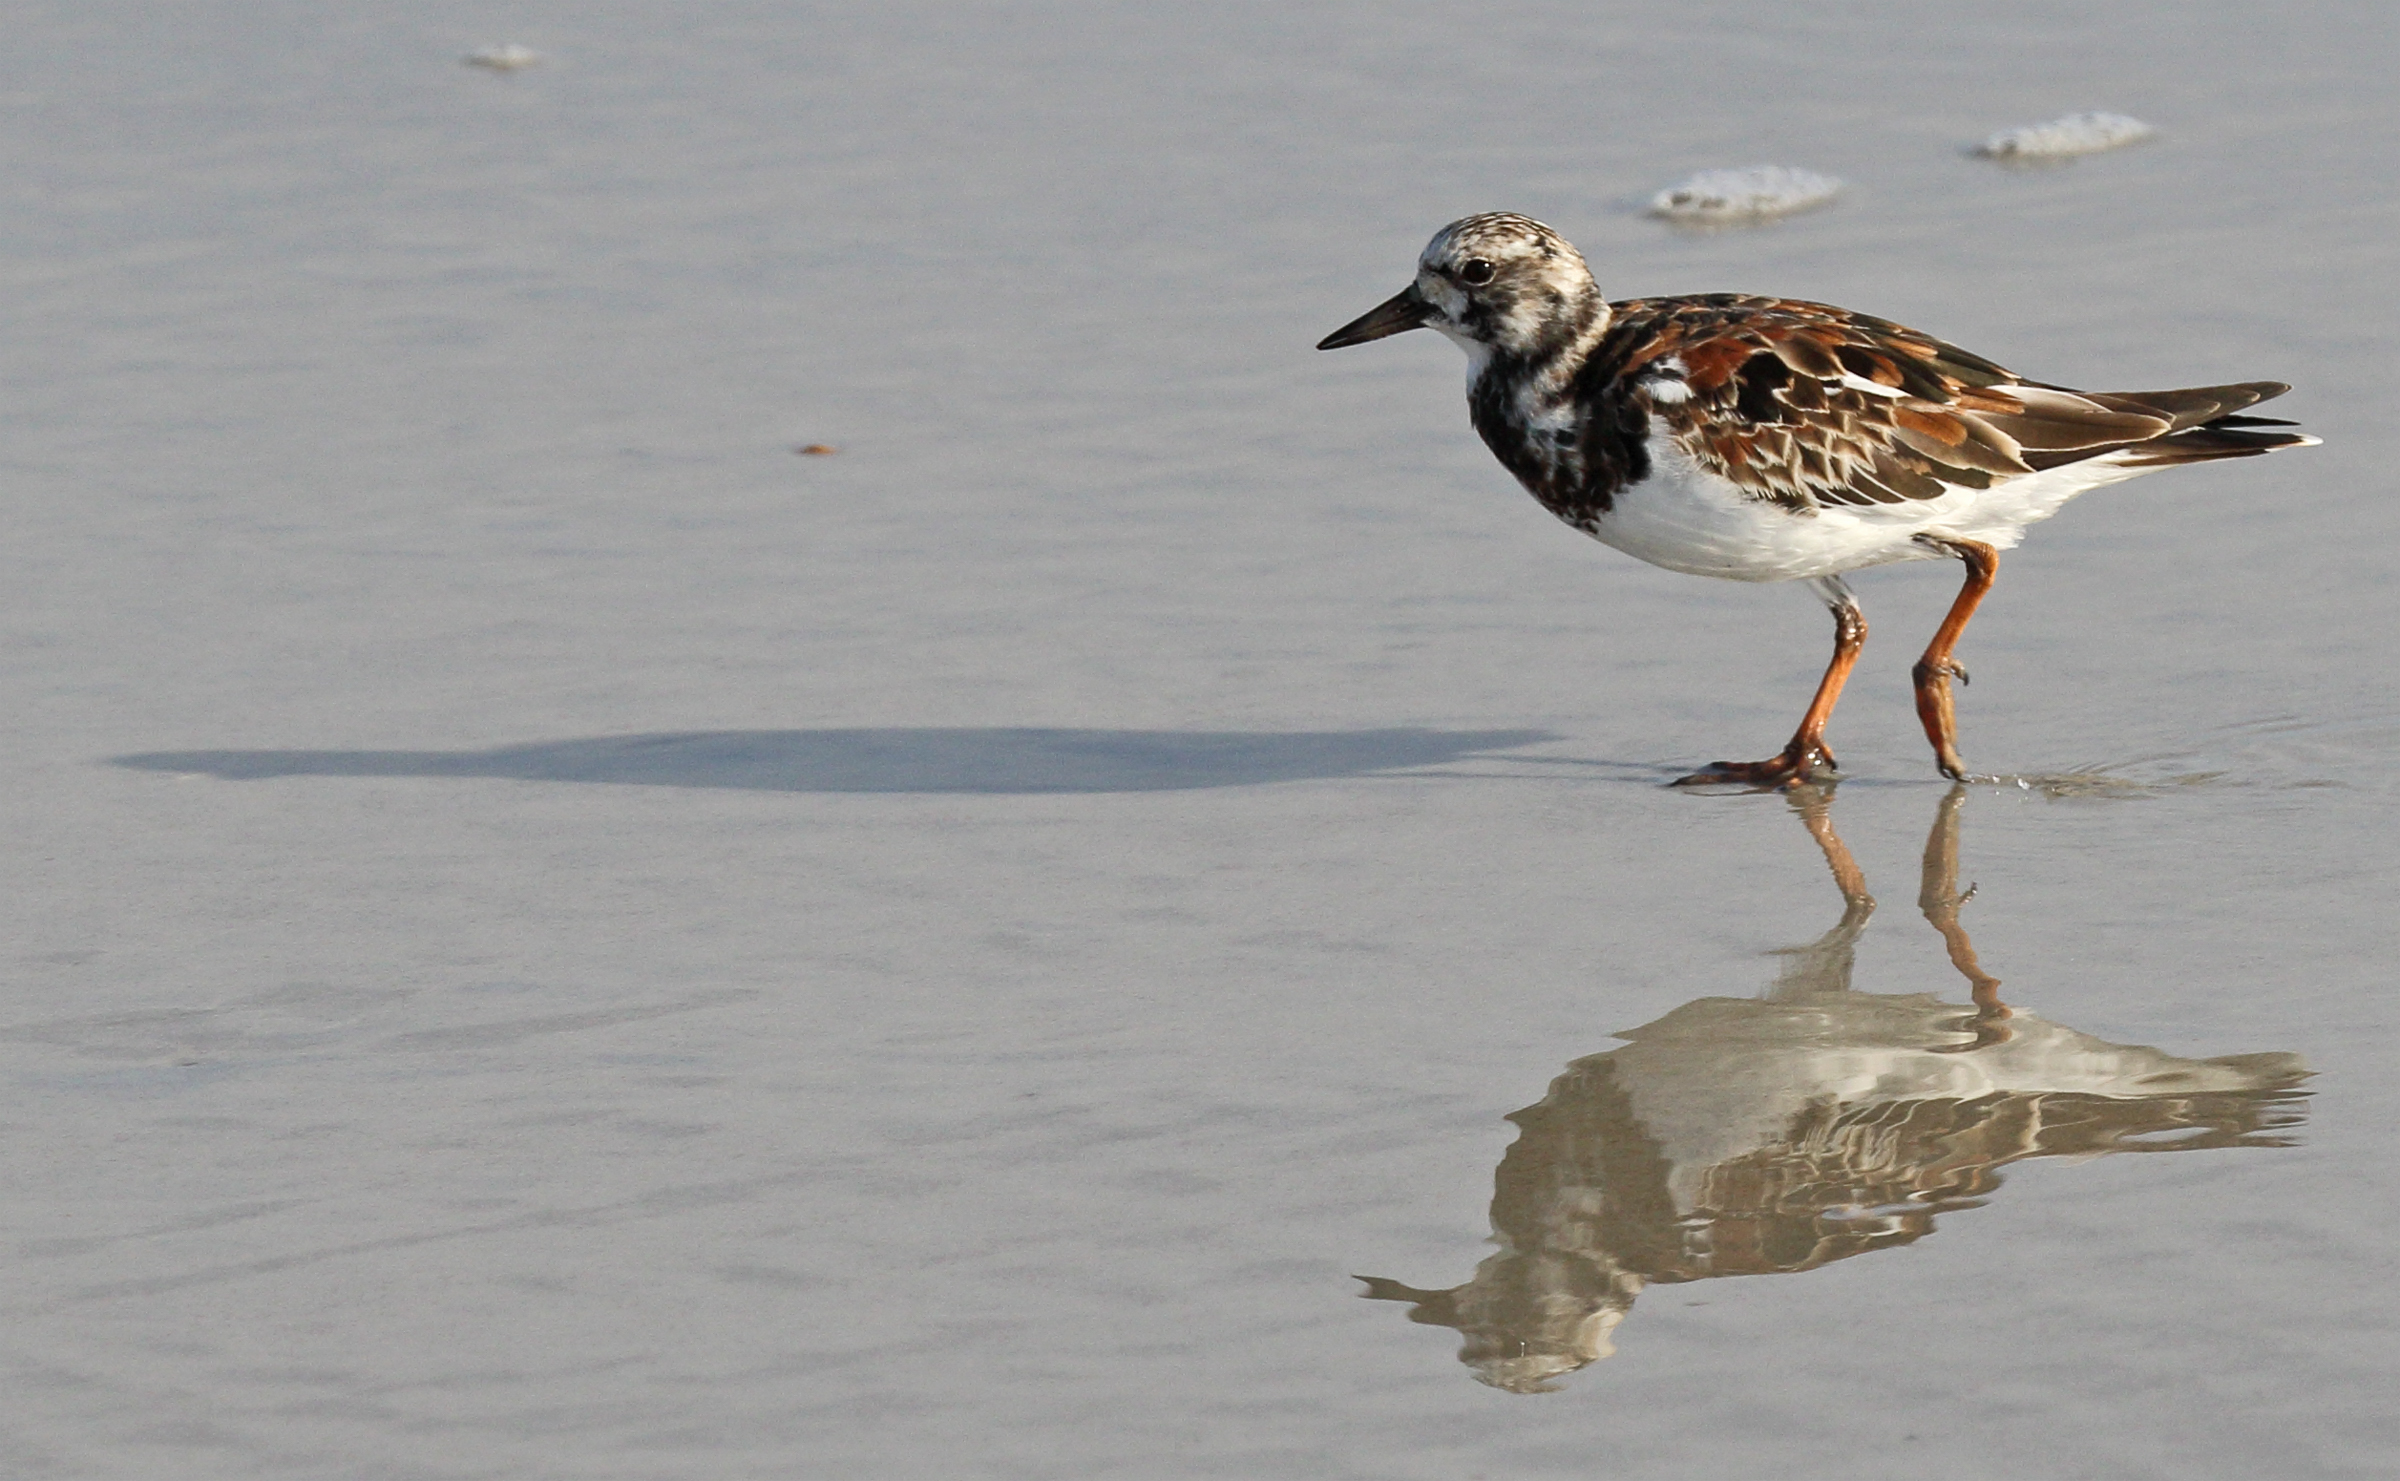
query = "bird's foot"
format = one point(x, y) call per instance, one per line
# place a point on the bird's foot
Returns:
point(1801, 762)
point(1940, 718)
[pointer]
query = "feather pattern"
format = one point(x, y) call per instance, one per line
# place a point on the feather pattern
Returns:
point(1802, 405)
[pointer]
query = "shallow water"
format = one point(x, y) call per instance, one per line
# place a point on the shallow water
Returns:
point(551, 936)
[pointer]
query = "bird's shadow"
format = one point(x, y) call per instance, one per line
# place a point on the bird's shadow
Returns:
point(897, 759)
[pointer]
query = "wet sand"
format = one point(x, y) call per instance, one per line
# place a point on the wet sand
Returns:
point(550, 935)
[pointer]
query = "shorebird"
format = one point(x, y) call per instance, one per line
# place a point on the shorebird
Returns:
point(1770, 439)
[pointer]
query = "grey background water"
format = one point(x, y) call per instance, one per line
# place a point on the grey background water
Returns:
point(1088, 868)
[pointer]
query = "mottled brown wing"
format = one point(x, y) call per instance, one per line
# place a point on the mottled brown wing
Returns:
point(1805, 405)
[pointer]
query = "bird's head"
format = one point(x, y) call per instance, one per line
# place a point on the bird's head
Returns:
point(1499, 285)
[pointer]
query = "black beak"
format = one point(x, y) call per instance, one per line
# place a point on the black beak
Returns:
point(1397, 314)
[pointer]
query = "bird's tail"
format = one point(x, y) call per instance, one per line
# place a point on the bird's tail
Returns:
point(2203, 424)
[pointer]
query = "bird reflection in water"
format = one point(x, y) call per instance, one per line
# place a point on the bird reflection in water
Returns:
point(1754, 1136)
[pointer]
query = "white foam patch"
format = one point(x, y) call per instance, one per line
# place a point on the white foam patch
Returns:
point(1756, 193)
point(2064, 138)
point(509, 58)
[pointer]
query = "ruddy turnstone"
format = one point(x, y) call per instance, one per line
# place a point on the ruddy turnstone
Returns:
point(1767, 439)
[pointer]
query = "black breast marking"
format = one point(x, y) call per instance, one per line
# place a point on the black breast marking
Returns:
point(1576, 471)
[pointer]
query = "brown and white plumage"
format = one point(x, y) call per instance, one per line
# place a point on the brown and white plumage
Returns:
point(1771, 439)
point(1805, 405)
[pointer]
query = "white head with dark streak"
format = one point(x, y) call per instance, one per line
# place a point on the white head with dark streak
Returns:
point(1501, 286)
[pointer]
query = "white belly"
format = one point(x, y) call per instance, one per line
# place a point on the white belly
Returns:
point(1685, 518)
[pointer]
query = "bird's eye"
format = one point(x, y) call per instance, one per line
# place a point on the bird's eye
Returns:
point(1475, 271)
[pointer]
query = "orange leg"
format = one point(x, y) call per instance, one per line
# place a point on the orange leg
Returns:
point(1807, 754)
point(1935, 670)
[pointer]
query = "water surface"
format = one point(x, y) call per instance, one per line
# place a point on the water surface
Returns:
point(552, 936)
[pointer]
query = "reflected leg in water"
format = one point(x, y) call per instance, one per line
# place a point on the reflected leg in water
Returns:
point(1938, 896)
point(1774, 1134)
point(1824, 965)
